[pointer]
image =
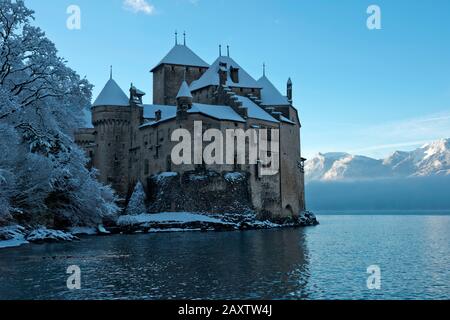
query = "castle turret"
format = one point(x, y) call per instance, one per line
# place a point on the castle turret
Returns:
point(184, 100)
point(111, 114)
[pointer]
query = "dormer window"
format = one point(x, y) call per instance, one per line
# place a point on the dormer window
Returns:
point(234, 74)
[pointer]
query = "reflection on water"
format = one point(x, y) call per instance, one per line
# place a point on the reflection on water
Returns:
point(248, 265)
point(324, 262)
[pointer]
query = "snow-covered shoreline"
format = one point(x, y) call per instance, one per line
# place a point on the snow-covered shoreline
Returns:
point(14, 236)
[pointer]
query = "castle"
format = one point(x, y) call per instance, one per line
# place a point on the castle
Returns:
point(130, 141)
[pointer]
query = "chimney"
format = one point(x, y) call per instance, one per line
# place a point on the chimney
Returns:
point(223, 73)
point(289, 90)
point(158, 115)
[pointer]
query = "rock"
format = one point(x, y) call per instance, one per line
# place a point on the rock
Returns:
point(44, 235)
point(11, 232)
point(307, 218)
point(12, 236)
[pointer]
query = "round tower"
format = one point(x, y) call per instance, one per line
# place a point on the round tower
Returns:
point(111, 117)
point(184, 101)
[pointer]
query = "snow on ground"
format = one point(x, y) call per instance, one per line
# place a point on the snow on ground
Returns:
point(12, 236)
point(165, 175)
point(13, 243)
point(167, 217)
point(88, 231)
point(48, 235)
point(234, 176)
point(169, 230)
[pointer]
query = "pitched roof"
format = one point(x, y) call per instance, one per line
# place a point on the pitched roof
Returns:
point(211, 76)
point(184, 91)
point(255, 111)
point(112, 95)
point(182, 55)
point(270, 96)
point(213, 111)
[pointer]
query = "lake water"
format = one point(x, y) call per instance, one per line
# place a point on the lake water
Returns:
point(325, 262)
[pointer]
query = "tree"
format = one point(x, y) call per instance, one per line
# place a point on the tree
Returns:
point(136, 205)
point(41, 104)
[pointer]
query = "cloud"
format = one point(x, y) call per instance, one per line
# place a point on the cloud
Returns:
point(378, 140)
point(407, 133)
point(139, 6)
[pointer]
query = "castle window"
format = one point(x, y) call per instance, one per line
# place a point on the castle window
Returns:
point(169, 164)
point(146, 167)
point(145, 140)
point(234, 74)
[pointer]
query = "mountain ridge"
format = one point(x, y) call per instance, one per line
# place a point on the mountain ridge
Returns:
point(432, 159)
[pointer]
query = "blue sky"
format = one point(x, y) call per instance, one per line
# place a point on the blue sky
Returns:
point(363, 91)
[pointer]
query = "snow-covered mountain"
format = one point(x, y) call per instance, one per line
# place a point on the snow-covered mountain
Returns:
point(432, 159)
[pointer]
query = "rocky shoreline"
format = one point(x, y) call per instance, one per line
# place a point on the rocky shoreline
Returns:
point(16, 235)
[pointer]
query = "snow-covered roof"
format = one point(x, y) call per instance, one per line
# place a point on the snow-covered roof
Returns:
point(217, 112)
point(270, 96)
point(213, 111)
point(211, 76)
point(167, 112)
point(182, 55)
point(255, 111)
point(284, 119)
point(184, 92)
point(112, 95)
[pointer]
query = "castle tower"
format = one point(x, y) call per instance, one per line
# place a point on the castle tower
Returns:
point(111, 115)
point(184, 101)
point(180, 64)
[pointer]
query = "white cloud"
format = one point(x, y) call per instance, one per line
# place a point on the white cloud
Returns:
point(405, 134)
point(138, 6)
point(378, 140)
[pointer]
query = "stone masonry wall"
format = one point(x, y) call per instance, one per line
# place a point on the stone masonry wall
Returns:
point(167, 80)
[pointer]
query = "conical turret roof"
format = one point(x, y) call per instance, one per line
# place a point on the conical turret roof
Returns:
point(184, 91)
point(270, 96)
point(112, 95)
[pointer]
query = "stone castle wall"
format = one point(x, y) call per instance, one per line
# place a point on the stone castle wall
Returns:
point(126, 152)
point(167, 80)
